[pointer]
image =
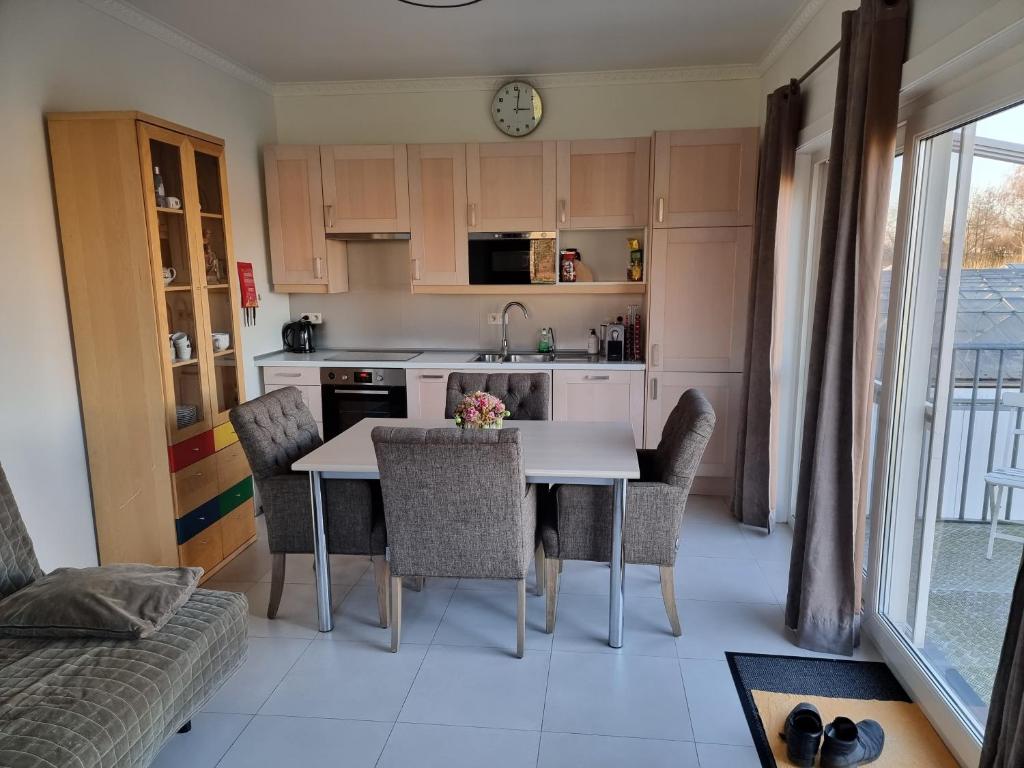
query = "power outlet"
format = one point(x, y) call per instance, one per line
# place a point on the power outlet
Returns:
point(316, 318)
point(494, 318)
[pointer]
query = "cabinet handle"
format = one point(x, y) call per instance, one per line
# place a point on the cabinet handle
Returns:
point(596, 378)
point(561, 211)
point(472, 214)
point(654, 389)
point(195, 450)
point(415, 269)
point(655, 354)
point(318, 268)
point(431, 376)
point(661, 210)
point(329, 215)
point(290, 375)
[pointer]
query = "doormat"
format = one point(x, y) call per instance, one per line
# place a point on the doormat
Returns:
point(770, 686)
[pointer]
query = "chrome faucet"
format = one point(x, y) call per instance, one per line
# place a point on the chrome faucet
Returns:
point(504, 324)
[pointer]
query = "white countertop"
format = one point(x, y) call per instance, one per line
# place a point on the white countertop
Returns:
point(431, 359)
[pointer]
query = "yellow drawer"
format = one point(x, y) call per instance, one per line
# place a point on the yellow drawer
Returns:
point(232, 466)
point(224, 435)
point(237, 527)
point(196, 484)
point(205, 549)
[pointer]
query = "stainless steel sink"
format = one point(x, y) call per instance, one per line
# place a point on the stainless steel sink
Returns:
point(527, 357)
point(489, 357)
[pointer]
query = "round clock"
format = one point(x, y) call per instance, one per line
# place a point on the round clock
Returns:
point(516, 108)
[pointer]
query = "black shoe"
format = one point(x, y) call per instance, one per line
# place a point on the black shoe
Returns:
point(851, 744)
point(802, 735)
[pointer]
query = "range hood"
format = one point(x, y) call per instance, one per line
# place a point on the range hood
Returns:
point(365, 236)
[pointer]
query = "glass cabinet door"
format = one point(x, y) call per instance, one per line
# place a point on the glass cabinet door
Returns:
point(219, 284)
point(168, 184)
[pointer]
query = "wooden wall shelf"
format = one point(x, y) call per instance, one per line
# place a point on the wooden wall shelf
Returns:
point(534, 290)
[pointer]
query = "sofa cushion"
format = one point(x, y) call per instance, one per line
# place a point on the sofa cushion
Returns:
point(126, 601)
point(113, 703)
point(18, 564)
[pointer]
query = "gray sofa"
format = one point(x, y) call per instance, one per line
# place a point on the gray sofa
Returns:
point(92, 703)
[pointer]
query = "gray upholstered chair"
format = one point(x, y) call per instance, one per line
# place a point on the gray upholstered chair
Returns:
point(276, 430)
point(526, 395)
point(456, 504)
point(579, 527)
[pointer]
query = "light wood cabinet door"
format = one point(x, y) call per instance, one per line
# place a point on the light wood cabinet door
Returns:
point(699, 284)
point(295, 215)
point(427, 393)
point(439, 247)
point(511, 186)
point(599, 395)
point(366, 188)
point(603, 183)
point(723, 391)
point(705, 178)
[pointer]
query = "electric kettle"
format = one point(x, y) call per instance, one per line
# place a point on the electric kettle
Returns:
point(298, 336)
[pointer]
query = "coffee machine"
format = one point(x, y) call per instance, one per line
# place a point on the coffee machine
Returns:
point(615, 343)
point(297, 336)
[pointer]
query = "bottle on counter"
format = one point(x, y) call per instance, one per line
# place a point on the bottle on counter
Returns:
point(544, 341)
point(593, 343)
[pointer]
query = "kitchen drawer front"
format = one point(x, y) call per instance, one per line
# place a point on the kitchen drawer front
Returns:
point(232, 466)
point(188, 452)
point(224, 435)
point(204, 550)
point(235, 495)
point(311, 396)
point(197, 521)
point(196, 484)
point(291, 376)
point(238, 526)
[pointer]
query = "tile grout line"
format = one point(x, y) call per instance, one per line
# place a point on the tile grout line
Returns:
point(547, 687)
point(686, 700)
point(234, 741)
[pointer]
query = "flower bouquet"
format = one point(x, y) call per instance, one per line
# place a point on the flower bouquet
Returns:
point(480, 410)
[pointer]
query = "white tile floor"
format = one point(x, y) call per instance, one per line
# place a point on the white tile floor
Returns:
point(455, 696)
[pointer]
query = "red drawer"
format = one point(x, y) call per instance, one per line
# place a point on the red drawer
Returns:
point(190, 451)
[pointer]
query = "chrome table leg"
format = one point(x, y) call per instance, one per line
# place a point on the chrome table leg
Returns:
point(618, 569)
point(321, 561)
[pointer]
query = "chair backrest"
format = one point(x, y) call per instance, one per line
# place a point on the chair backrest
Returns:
point(683, 439)
point(18, 564)
point(526, 395)
point(454, 501)
point(275, 430)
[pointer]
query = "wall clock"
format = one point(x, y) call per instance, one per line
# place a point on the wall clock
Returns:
point(516, 108)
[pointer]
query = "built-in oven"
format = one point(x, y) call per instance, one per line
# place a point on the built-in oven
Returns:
point(353, 394)
point(511, 258)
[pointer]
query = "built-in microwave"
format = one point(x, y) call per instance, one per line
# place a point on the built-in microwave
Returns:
point(511, 258)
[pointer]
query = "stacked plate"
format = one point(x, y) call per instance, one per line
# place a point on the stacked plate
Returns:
point(187, 415)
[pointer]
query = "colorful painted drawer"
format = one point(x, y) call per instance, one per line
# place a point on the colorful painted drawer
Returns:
point(235, 495)
point(198, 520)
point(238, 526)
point(224, 435)
point(188, 452)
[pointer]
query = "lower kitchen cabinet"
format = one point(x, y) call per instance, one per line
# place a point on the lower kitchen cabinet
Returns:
point(723, 391)
point(306, 380)
point(599, 395)
point(427, 392)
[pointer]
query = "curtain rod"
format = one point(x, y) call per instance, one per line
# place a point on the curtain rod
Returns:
point(818, 63)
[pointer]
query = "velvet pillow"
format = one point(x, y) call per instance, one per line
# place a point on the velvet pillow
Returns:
point(113, 601)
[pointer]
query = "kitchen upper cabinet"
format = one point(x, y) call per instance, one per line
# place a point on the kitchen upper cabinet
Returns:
point(438, 214)
point(723, 391)
point(511, 186)
point(427, 392)
point(366, 188)
point(301, 260)
point(603, 184)
point(705, 178)
point(699, 283)
point(599, 395)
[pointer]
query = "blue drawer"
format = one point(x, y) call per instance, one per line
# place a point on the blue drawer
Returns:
point(197, 520)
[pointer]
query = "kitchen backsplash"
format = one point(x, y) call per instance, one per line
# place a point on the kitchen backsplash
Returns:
point(380, 311)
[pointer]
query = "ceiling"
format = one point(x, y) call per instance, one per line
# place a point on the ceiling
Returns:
point(331, 40)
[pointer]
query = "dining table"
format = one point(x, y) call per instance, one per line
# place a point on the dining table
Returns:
point(554, 452)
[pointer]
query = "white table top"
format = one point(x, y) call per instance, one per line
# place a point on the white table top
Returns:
point(584, 452)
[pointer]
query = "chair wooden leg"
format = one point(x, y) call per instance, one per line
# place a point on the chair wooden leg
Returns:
point(416, 583)
point(540, 569)
point(382, 576)
point(396, 613)
point(520, 618)
point(553, 568)
point(276, 583)
point(668, 594)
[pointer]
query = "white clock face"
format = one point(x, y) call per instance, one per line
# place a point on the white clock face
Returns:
point(516, 108)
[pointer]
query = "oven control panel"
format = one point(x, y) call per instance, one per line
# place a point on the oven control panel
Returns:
point(381, 377)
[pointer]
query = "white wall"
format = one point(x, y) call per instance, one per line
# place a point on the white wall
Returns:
point(379, 310)
point(64, 55)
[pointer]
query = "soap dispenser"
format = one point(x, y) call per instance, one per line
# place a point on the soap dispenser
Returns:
point(545, 342)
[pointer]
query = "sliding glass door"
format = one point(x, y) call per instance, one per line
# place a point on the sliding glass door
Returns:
point(953, 350)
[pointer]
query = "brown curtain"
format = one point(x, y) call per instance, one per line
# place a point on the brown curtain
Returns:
point(824, 601)
point(1004, 732)
point(751, 498)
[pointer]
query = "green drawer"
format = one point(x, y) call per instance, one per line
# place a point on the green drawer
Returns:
point(235, 495)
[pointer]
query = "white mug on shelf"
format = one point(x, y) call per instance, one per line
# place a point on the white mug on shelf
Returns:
point(182, 346)
point(173, 202)
point(169, 274)
point(221, 341)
